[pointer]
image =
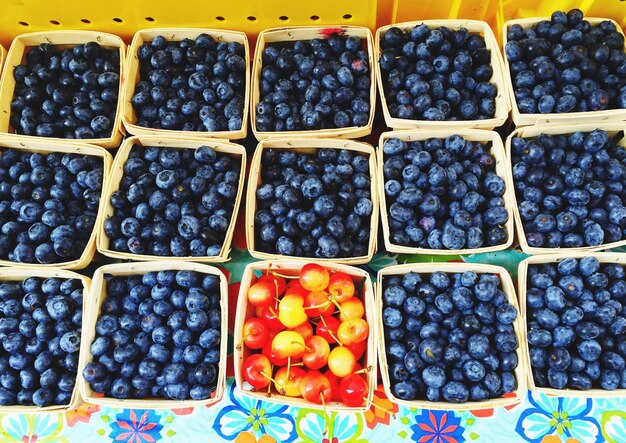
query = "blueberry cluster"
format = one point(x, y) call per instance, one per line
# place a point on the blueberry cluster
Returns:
point(570, 189)
point(450, 337)
point(576, 324)
point(437, 74)
point(174, 202)
point(565, 64)
point(315, 84)
point(314, 205)
point(443, 194)
point(158, 335)
point(40, 327)
point(190, 85)
point(48, 205)
point(67, 93)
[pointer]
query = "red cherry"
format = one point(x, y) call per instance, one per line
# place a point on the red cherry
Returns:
point(255, 333)
point(257, 370)
point(278, 283)
point(327, 328)
point(269, 314)
point(353, 390)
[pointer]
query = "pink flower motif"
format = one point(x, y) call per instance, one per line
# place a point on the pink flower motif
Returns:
point(136, 426)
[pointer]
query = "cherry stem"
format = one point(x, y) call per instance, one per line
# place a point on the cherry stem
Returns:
point(332, 299)
point(284, 276)
point(281, 390)
point(288, 366)
point(273, 312)
point(303, 345)
point(330, 332)
point(323, 305)
point(365, 370)
point(374, 405)
point(325, 414)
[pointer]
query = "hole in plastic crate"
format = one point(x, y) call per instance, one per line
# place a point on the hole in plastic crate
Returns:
point(118, 20)
point(283, 18)
point(86, 21)
point(219, 18)
point(23, 23)
point(55, 22)
point(315, 18)
point(251, 18)
point(149, 19)
point(347, 16)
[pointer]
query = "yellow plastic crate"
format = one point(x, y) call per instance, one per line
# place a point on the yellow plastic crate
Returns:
point(124, 17)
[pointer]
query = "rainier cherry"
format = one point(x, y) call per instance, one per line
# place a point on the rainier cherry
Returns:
point(262, 293)
point(316, 388)
point(278, 283)
point(317, 303)
point(317, 357)
point(289, 386)
point(352, 308)
point(255, 333)
point(341, 286)
point(341, 361)
point(272, 357)
point(305, 329)
point(288, 344)
point(257, 371)
point(353, 331)
point(269, 316)
point(291, 311)
point(314, 277)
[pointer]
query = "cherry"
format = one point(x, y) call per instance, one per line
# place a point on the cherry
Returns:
point(353, 390)
point(352, 308)
point(317, 357)
point(341, 286)
point(314, 277)
point(316, 388)
point(271, 355)
point(327, 328)
point(288, 380)
point(353, 331)
point(255, 333)
point(334, 383)
point(341, 361)
point(305, 329)
point(317, 303)
point(278, 283)
point(291, 311)
point(288, 344)
point(262, 293)
point(358, 349)
point(257, 371)
point(269, 314)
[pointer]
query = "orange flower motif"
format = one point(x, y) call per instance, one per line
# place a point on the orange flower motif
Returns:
point(248, 437)
point(374, 415)
point(81, 413)
point(557, 439)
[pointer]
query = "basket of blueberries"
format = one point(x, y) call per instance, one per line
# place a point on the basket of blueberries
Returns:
point(575, 328)
point(313, 81)
point(565, 68)
point(444, 192)
point(51, 202)
point(441, 74)
point(174, 198)
point(64, 85)
point(450, 336)
point(568, 182)
point(312, 198)
point(155, 336)
point(192, 80)
point(41, 324)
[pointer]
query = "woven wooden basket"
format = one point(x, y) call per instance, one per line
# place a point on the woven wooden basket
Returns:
point(555, 118)
point(96, 298)
point(497, 150)
point(176, 34)
point(33, 144)
point(530, 132)
point(244, 312)
point(117, 172)
point(522, 276)
point(427, 268)
point(503, 105)
point(16, 56)
point(308, 33)
point(308, 146)
point(19, 274)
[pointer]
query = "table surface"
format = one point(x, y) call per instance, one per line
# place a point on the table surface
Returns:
point(537, 419)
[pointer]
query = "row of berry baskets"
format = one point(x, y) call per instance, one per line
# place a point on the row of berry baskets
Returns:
point(444, 192)
point(317, 81)
point(154, 334)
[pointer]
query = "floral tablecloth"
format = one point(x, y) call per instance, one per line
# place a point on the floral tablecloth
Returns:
point(536, 419)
